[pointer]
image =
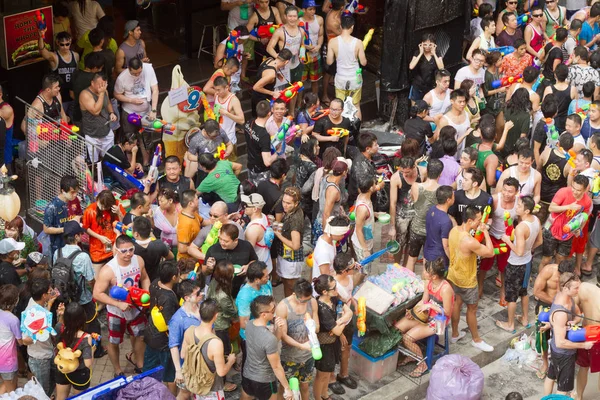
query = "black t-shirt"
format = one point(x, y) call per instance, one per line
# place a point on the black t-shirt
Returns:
point(554, 53)
point(178, 187)
point(258, 141)
point(418, 129)
point(271, 193)
point(152, 256)
point(424, 73)
point(167, 301)
point(241, 255)
point(117, 152)
point(323, 125)
point(539, 134)
point(461, 201)
point(128, 218)
point(8, 274)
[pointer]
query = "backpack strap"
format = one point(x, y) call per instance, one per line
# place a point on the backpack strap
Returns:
point(78, 342)
point(73, 255)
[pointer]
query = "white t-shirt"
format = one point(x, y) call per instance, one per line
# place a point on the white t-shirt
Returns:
point(324, 253)
point(466, 73)
point(137, 87)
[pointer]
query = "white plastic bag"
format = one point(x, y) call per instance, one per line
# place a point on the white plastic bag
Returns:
point(31, 388)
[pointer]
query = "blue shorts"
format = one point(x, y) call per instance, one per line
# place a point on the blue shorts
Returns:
point(153, 358)
point(415, 94)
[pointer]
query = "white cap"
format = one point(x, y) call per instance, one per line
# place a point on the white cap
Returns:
point(9, 245)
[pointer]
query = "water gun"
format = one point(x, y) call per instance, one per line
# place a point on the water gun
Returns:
point(153, 171)
point(544, 314)
point(96, 339)
point(551, 134)
point(570, 156)
point(584, 334)
point(341, 132)
point(311, 326)
point(368, 37)
point(501, 248)
point(507, 81)
point(577, 222)
point(504, 50)
point(133, 295)
point(352, 213)
point(320, 114)
point(279, 137)
point(303, 26)
point(40, 19)
point(231, 45)
point(267, 31)
point(143, 122)
point(212, 237)
point(302, 54)
point(295, 388)
point(361, 320)
point(291, 91)
point(522, 19)
point(221, 150)
point(123, 229)
point(509, 226)
point(194, 274)
point(207, 109)
point(537, 83)
point(354, 8)
point(378, 254)
point(583, 111)
point(69, 130)
point(310, 260)
point(596, 185)
point(499, 172)
point(484, 219)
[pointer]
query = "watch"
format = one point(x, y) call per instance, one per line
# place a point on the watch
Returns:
point(153, 110)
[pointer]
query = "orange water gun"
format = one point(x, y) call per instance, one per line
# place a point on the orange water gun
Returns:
point(361, 321)
point(207, 108)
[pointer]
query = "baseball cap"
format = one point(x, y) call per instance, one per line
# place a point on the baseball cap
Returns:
point(72, 228)
point(129, 26)
point(35, 258)
point(10, 245)
point(253, 200)
point(309, 3)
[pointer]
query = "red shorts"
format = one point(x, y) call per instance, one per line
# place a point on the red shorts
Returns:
point(589, 358)
point(118, 325)
point(579, 242)
point(502, 258)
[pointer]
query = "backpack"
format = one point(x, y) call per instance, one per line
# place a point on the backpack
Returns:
point(197, 376)
point(63, 277)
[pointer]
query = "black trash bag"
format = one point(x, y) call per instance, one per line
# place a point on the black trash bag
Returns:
point(376, 344)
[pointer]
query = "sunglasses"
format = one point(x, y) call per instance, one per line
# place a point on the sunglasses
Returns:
point(64, 44)
point(125, 251)
point(511, 2)
point(537, 15)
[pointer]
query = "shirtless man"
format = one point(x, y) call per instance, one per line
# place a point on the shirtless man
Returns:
point(544, 290)
point(333, 28)
point(530, 180)
point(588, 301)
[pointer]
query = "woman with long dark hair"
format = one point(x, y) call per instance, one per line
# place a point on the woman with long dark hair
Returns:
point(329, 156)
point(310, 104)
point(518, 110)
point(71, 334)
point(98, 221)
point(472, 107)
point(308, 165)
point(165, 216)
point(219, 290)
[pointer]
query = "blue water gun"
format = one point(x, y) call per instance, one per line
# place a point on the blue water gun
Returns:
point(537, 83)
point(523, 19)
point(504, 50)
point(231, 45)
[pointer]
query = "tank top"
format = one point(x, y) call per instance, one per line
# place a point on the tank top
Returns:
point(537, 40)
point(262, 251)
point(461, 129)
point(463, 269)
point(497, 228)
point(404, 205)
point(553, 23)
point(313, 28)
point(51, 110)
point(485, 44)
point(66, 70)
point(227, 124)
point(128, 277)
point(439, 106)
point(527, 186)
point(95, 125)
point(553, 177)
point(322, 190)
point(557, 307)
point(297, 331)
point(481, 157)
point(257, 96)
point(436, 298)
point(292, 43)
point(218, 383)
point(347, 65)
point(367, 227)
point(178, 187)
point(135, 51)
point(563, 99)
point(265, 21)
point(422, 205)
point(534, 229)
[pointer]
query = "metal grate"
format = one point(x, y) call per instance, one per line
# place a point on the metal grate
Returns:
point(54, 150)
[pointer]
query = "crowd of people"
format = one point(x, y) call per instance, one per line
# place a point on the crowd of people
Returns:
point(507, 161)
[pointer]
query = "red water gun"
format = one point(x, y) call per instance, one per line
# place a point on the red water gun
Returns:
point(267, 31)
point(501, 248)
point(484, 219)
point(584, 334)
point(132, 295)
point(40, 19)
point(507, 81)
point(291, 91)
point(509, 226)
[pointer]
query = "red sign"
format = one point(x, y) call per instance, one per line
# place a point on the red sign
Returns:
point(21, 35)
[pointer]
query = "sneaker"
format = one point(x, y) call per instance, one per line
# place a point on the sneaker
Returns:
point(483, 346)
point(461, 335)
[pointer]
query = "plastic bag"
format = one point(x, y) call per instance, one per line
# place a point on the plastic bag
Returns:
point(146, 388)
point(377, 344)
point(455, 377)
point(31, 388)
point(520, 351)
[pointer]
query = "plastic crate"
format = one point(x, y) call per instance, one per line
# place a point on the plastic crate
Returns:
point(372, 369)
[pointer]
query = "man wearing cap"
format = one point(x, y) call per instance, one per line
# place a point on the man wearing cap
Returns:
point(10, 251)
point(132, 47)
point(83, 272)
point(256, 230)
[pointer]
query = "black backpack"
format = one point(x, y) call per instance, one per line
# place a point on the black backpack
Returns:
point(63, 277)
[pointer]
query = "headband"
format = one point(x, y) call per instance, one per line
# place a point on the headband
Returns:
point(335, 230)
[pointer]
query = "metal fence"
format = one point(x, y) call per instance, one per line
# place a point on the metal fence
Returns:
point(53, 151)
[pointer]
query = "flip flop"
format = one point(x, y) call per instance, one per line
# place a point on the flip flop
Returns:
point(418, 374)
point(136, 369)
point(519, 320)
point(585, 272)
point(500, 324)
point(503, 302)
point(405, 361)
point(541, 375)
point(232, 386)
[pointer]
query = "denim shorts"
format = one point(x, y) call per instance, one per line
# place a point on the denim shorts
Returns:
point(154, 358)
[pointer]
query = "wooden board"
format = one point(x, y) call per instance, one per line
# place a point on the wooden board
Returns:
point(378, 300)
